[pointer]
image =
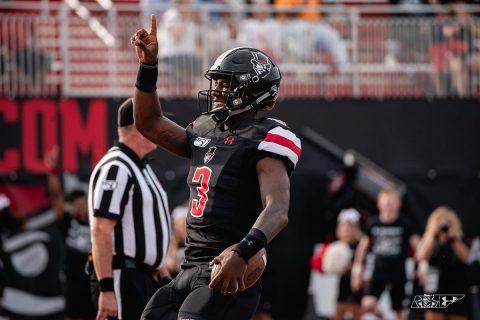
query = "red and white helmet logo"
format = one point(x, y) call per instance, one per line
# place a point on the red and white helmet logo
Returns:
point(261, 65)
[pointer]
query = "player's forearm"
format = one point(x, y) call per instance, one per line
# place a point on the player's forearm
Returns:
point(102, 251)
point(272, 220)
point(152, 124)
point(146, 112)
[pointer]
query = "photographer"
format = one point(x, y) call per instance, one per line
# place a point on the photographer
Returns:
point(443, 258)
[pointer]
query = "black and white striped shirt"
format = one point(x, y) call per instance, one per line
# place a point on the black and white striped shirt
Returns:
point(125, 188)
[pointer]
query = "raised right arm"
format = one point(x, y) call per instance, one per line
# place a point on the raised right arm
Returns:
point(152, 124)
point(147, 112)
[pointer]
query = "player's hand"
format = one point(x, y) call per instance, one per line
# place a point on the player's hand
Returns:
point(229, 279)
point(146, 43)
point(107, 306)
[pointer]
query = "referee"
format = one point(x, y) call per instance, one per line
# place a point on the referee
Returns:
point(130, 225)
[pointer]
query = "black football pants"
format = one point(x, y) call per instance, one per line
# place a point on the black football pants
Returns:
point(189, 297)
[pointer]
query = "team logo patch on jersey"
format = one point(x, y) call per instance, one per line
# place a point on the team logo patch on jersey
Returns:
point(109, 184)
point(261, 65)
point(209, 155)
point(201, 142)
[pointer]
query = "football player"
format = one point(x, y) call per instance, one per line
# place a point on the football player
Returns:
point(239, 178)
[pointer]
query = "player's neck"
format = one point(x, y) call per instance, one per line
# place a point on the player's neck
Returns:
point(231, 122)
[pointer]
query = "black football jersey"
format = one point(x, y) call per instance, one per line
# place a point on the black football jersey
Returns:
point(224, 190)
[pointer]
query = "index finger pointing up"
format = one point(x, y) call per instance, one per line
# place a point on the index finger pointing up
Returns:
point(153, 25)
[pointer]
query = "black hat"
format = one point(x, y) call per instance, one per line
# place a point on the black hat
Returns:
point(125, 113)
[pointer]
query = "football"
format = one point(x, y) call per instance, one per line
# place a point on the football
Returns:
point(337, 258)
point(255, 267)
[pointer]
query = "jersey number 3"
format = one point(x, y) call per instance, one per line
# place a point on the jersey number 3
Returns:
point(202, 175)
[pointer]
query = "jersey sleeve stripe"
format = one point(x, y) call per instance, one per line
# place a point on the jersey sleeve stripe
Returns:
point(280, 150)
point(283, 141)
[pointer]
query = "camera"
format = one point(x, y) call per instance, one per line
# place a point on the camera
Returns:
point(443, 227)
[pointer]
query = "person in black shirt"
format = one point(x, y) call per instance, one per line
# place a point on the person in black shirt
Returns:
point(76, 231)
point(239, 178)
point(388, 237)
point(442, 248)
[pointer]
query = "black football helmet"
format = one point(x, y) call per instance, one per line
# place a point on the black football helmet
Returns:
point(254, 82)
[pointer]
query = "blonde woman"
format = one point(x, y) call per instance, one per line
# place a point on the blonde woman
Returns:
point(444, 257)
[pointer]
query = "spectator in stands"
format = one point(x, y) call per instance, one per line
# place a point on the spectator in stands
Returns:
point(311, 13)
point(450, 49)
point(307, 39)
point(222, 28)
point(179, 47)
point(260, 30)
point(156, 7)
point(388, 236)
point(313, 42)
point(443, 249)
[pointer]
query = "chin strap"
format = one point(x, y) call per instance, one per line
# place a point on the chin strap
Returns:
point(224, 114)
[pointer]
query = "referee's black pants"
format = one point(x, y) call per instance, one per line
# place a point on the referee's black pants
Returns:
point(189, 297)
point(133, 289)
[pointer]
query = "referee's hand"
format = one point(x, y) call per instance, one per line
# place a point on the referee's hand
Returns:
point(107, 306)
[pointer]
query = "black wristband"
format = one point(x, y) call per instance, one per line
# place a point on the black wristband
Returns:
point(105, 284)
point(253, 242)
point(147, 77)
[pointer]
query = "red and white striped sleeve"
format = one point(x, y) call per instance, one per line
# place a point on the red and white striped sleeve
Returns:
point(282, 142)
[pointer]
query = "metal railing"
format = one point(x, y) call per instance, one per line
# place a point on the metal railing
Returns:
point(370, 51)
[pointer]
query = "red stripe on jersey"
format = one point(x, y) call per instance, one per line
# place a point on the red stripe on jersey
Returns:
point(278, 139)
